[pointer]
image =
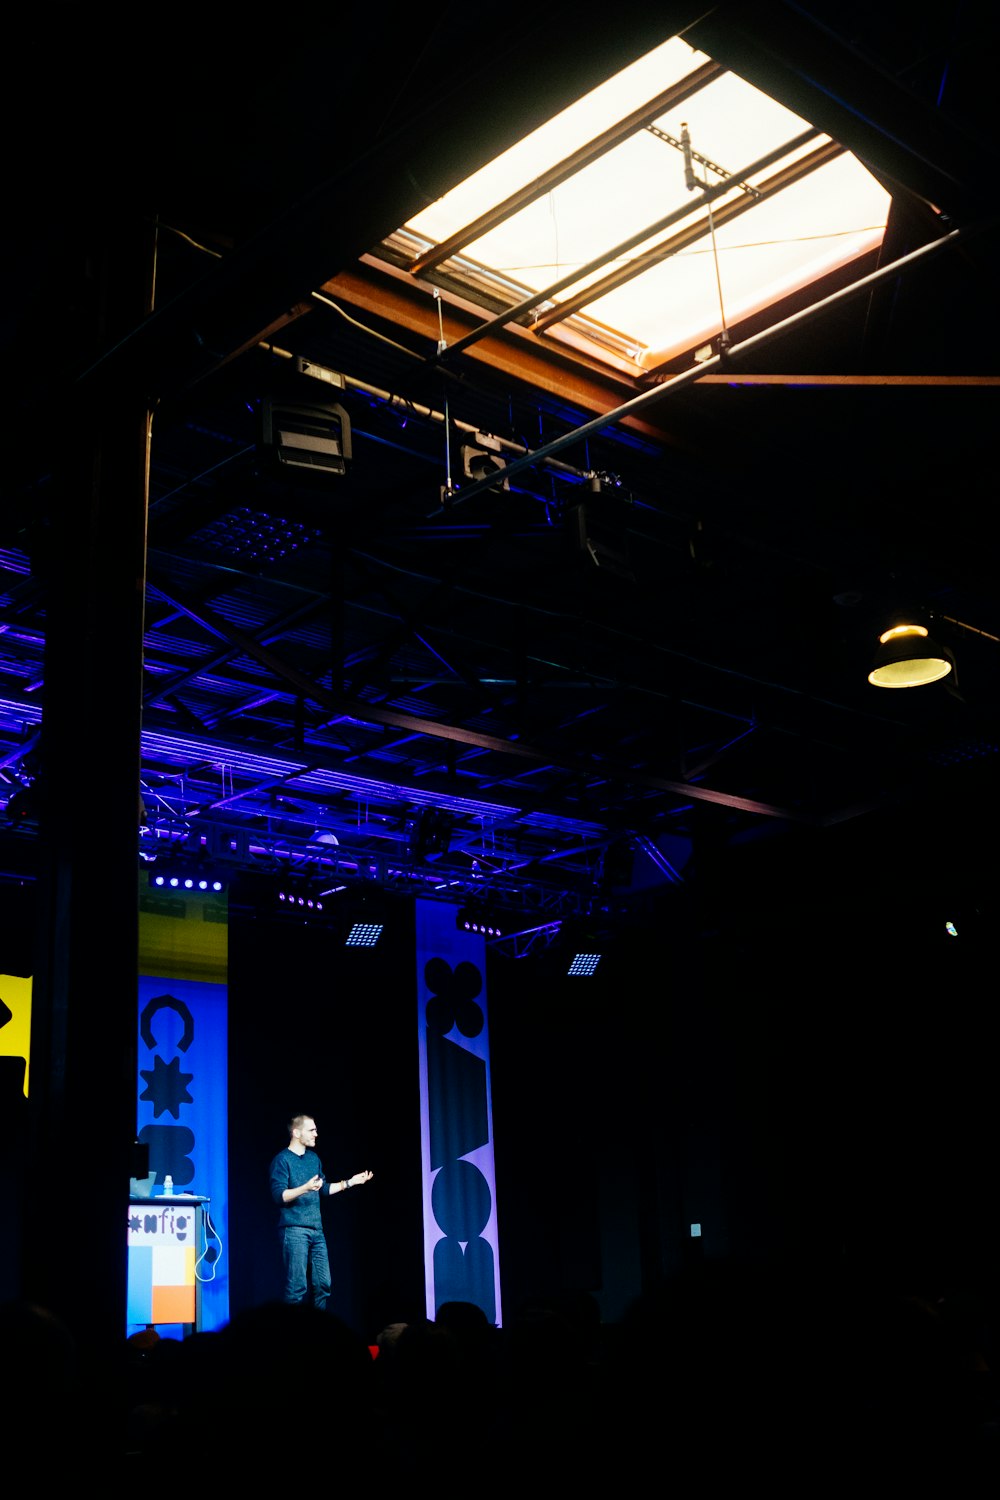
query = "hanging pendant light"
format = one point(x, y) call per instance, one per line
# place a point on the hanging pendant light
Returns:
point(908, 656)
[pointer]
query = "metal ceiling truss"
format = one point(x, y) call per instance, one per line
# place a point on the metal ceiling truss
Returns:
point(312, 736)
point(378, 714)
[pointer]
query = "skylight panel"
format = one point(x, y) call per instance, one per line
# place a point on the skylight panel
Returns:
point(557, 139)
point(810, 229)
point(632, 222)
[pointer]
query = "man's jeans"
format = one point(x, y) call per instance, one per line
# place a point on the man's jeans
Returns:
point(306, 1261)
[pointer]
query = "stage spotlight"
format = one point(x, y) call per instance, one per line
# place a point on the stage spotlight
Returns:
point(428, 834)
point(22, 806)
point(254, 536)
point(484, 458)
point(584, 964)
point(601, 531)
point(361, 917)
point(310, 437)
point(363, 934)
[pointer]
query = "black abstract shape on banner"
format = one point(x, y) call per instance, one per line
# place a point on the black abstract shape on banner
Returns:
point(166, 1086)
point(465, 1276)
point(168, 1148)
point(166, 1002)
point(460, 1198)
point(462, 1202)
point(453, 999)
point(456, 1085)
point(6, 1014)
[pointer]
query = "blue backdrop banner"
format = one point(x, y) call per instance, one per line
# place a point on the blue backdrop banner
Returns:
point(182, 1114)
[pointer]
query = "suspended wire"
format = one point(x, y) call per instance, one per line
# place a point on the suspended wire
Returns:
point(724, 334)
point(692, 182)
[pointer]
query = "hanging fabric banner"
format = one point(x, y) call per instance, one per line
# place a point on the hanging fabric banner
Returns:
point(182, 1089)
point(461, 1248)
point(15, 1023)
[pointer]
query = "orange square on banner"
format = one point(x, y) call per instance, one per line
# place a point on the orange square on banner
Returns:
point(173, 1304)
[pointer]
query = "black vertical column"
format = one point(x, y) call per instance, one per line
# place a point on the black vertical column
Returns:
point(90, 554)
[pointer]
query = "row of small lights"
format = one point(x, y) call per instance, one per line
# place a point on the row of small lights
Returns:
point(488, 929)
point(188, 882)
point(313, 903)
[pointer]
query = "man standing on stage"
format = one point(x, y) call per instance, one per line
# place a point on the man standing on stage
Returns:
point(296, 1184)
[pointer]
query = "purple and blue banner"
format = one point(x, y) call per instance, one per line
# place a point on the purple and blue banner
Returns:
point(182, 1112)
point(461, 1245)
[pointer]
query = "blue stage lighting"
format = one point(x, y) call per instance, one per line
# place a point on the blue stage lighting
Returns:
point(584, 963)
point(363, 935)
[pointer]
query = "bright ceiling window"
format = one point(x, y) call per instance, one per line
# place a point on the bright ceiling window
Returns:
point(664, 206)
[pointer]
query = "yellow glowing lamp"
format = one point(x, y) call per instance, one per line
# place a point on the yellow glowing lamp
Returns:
point(908, 657)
